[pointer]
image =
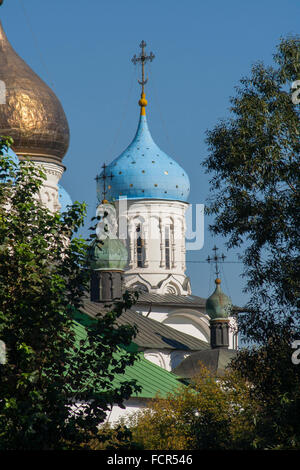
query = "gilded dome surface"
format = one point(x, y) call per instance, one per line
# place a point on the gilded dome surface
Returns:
point(32, 115)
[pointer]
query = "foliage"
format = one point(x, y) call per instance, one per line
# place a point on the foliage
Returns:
point(117, 437)
point(254, 162)
point(206, 414)
point(47, 372)
point(275, 388)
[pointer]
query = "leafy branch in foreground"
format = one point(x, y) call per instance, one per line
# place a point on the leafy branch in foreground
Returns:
point(254, 162)
point(55, 388)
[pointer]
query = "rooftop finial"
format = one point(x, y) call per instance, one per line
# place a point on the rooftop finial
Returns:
point(142, 59)
point(104, 177)
point(216, 259)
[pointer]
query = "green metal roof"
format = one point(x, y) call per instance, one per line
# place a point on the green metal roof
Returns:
point(152, 378)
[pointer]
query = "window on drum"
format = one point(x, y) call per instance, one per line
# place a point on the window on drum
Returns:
point(167, 247)
point(139, 247)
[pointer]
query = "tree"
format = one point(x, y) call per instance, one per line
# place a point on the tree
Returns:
point(254, 159)
point(254, 163)
point(275, 388)
point(207, 414)
point(47, 372)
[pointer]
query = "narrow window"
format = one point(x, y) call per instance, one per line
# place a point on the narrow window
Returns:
point(139, 247)
point(167, 246)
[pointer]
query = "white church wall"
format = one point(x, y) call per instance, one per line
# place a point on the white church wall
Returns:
point(158, 313)
point(49, 189)
point(185, 325)
point(166, 360)
point(132, 405)
point(191, 321)
point(155, 217)
point(233, 333)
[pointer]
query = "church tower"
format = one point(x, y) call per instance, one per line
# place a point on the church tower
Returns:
point(149, 191)
point(32, 115)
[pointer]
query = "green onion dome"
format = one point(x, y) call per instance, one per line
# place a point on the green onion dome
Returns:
point(218, 305)
point(107, 255)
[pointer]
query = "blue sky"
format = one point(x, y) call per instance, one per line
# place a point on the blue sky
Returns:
point(83, 51)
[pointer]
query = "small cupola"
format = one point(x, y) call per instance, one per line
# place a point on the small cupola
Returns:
point(218, 307)
point(107, 258)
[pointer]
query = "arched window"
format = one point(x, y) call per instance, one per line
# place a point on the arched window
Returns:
point(140, 255)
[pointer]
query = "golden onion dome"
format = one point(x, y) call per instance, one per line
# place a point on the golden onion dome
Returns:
point(32, 115)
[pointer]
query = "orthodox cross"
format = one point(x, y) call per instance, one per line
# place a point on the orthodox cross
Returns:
point(142, 59)
point(104, 177)
point(216, 259)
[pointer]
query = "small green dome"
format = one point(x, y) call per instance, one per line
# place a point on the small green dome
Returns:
point(218, 305)
point(108, 254)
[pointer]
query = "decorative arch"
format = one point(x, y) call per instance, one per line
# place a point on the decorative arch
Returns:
point(138, 281)
point(171, 288)
point(161, 359)
point(190, 321)
point(140, 287)
point(187, 285)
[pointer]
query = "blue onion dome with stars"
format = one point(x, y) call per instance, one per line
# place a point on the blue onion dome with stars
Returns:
point(143, 170)
point(64, 198)
point(8, 152)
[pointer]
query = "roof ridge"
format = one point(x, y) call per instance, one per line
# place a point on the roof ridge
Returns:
point(152, 333)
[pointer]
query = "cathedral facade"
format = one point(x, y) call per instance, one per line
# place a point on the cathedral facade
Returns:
point(149, 191)
point(144, 193)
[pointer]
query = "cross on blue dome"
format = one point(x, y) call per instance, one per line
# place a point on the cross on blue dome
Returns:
point(144, 171)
